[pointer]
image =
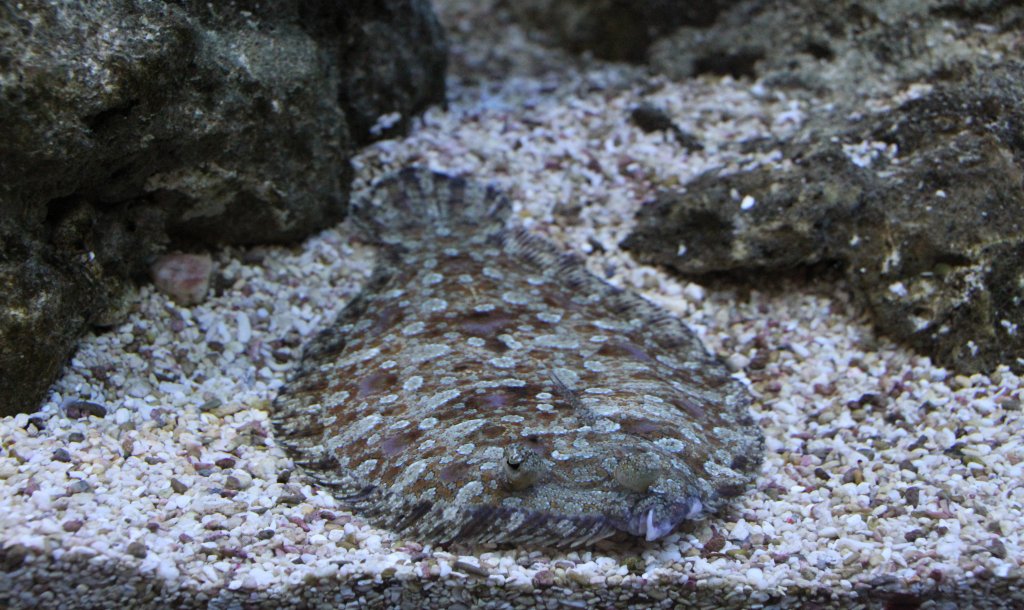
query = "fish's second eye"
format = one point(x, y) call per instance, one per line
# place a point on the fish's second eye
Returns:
point(636, 472)
point(521, 466)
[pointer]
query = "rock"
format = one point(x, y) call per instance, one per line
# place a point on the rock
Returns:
point(391, 56)
point(921, 206)
point(137, 549)
point(612, 29)
point(78, 409)
point(132, 129)
point(651, 118)
point(79, 487)
point(12, 557)
point(183, 277)
point(854, 47)
point(543, 578)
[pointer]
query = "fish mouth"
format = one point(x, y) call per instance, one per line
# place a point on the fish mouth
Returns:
point(650, 519)
point(653, 521)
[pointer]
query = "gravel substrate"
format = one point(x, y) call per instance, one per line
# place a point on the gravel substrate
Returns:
point(151, 478)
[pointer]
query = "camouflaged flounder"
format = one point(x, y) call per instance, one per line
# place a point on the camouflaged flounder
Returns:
point(485, 388)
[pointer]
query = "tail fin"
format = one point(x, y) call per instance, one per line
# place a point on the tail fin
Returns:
point(416, 206)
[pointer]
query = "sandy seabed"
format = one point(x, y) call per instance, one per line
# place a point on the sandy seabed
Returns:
point(888, 481)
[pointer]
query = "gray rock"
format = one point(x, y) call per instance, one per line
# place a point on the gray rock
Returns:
point(929, 230)
point(129, 128)
point(611, 29)
point(854, 47)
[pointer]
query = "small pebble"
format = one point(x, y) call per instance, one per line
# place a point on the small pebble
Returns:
point(183, 277)
point(79, 487)
point(137, 549)
point(78, 409)
point(543, 578)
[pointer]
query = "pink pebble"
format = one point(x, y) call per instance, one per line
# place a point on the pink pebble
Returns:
point(183, 277)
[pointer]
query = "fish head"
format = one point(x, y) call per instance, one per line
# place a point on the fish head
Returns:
point(572, 489)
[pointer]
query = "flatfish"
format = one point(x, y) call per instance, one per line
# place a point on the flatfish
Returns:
point(485, 388)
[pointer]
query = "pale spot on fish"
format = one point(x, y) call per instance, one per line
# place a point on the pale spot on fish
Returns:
point(603, 409)
point(366, 354)
point(606, 426)
point(670, 444)
point(567, 377)
point(610, 325)
point(388, 364)
point(545, 407)
point(476, 342)
point(468, 492)
point(493, 273)
point(595, 366)
point(435, 305)
point(413, 329)
point(484, 307)
point(465, 449)
point(439, 399)
point(557, 341)
point(515, 297)
point(413, 383)
point(466, 278)
point(386, 400)
point(427, 424)
point(426, 352)
point(411, 475)
point(465, 428)
point(502, 362)
point(512, 419)
point(493, 454)
point(551, 317)
point(510, 341)
point(364, 425)
point(364, 469)
point(598, 390)
point(432, 278)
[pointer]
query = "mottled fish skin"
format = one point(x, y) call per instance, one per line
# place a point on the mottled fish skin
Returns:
point(485, 388)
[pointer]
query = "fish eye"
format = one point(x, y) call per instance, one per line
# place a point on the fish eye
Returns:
point(521, 467)
point(637, 472)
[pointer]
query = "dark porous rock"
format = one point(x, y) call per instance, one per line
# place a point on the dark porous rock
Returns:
point(650, 118)
point(391, 56)
point(130, 129)
point(922, 206)
point(849, 46)
point(612, 29)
